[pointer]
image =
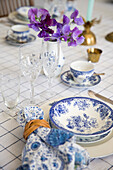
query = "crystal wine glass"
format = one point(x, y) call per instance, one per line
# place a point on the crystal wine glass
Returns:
point(10, 90)
point(31, 64)
point(50, 59)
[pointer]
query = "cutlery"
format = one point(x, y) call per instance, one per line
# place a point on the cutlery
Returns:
point(93, 94)
point(70, 76)
point(96, 74)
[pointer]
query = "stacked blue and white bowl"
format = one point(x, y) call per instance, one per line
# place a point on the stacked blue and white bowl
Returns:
point(90, 119)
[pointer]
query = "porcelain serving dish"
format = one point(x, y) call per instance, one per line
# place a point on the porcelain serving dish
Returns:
point(86, 117)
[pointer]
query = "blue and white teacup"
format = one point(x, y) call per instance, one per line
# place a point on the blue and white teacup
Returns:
point(81, 70)
point(19, 33)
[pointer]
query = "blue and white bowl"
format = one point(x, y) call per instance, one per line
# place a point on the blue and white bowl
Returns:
point(86, 117)
point(81, 70)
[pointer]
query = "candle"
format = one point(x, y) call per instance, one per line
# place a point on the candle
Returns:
point(89, 10)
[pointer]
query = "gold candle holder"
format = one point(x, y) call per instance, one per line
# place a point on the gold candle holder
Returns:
point(94, 54)
point(109, 37)
point(90, 38)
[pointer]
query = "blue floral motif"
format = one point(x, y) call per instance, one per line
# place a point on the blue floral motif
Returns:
point(60, 109)
point(82, 104)
point(44, 167)
point(24, 167)
point(43, 158)
point(47, 149)
point(92, 78)
point(57, 137)
point(55, 164)
point(95, 103)
point(81, 123)
point(35, 145)
point(111, 116)
point(103, 111)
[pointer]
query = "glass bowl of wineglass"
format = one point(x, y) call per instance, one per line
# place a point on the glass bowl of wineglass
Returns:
point(31, 65)
point(50, 55)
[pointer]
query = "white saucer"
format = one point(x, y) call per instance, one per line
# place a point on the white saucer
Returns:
point(13, 17)
point(13, 42)
point(99, 149)
point(67, 78)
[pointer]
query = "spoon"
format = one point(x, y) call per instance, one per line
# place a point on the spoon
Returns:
point(96, 74)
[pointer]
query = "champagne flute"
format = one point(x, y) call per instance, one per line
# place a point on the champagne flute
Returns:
point(10, 90)
point(31, 65)
point(50, 59)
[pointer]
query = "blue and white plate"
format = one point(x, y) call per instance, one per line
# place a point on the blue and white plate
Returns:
point(14, 42)
point(13, 17)
point(23, 11)
point(86, 117)
point(84, 139)
point(67, 78)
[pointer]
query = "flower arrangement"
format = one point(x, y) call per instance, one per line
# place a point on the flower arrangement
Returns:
point(42, 22)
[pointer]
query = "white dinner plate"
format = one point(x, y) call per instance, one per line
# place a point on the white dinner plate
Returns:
point(13, 17)
point(67, 78)
point(99, 149)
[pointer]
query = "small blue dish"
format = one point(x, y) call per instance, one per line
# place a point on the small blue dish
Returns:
point(68, 79)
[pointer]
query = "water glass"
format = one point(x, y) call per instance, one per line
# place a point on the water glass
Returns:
point(10, 89)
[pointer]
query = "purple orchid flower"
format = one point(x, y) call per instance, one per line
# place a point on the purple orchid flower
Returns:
point(72, 43)
point(42, 13)
point(66, 20)
point(66, 29)
point(74, 14)
point(32, 12)
point(80, 40)
point(78, 21)
point(76, 32)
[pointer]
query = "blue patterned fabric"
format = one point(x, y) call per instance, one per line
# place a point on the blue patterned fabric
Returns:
point(50, 149)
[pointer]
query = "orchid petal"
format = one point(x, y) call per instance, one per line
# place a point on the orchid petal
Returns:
point(79, 21)
point(74, 14)
point(65, 20)
point(80, 40)
point(66, 29)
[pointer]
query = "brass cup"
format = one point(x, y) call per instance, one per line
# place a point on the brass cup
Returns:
point(94, 54)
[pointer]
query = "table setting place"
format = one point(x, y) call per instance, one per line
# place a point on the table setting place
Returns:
point(56, 84)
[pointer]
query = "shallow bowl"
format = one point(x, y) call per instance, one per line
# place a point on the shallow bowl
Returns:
point(86, 117)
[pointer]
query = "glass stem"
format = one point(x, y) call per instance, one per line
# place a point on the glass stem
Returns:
point(32, 92)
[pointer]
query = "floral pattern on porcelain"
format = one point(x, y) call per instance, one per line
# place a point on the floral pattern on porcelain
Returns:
point(68, 79)
point(82, 116)
point(49, 149)
point(84, 139)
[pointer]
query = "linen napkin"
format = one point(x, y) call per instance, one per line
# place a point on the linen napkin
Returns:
point(48, 148)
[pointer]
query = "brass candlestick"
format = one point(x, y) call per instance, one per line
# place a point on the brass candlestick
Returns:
point(109, 37)
point(90, 38)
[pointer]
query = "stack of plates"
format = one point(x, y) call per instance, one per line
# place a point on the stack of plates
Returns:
point(20, 16)
point(89, 119)
point(23, 12)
